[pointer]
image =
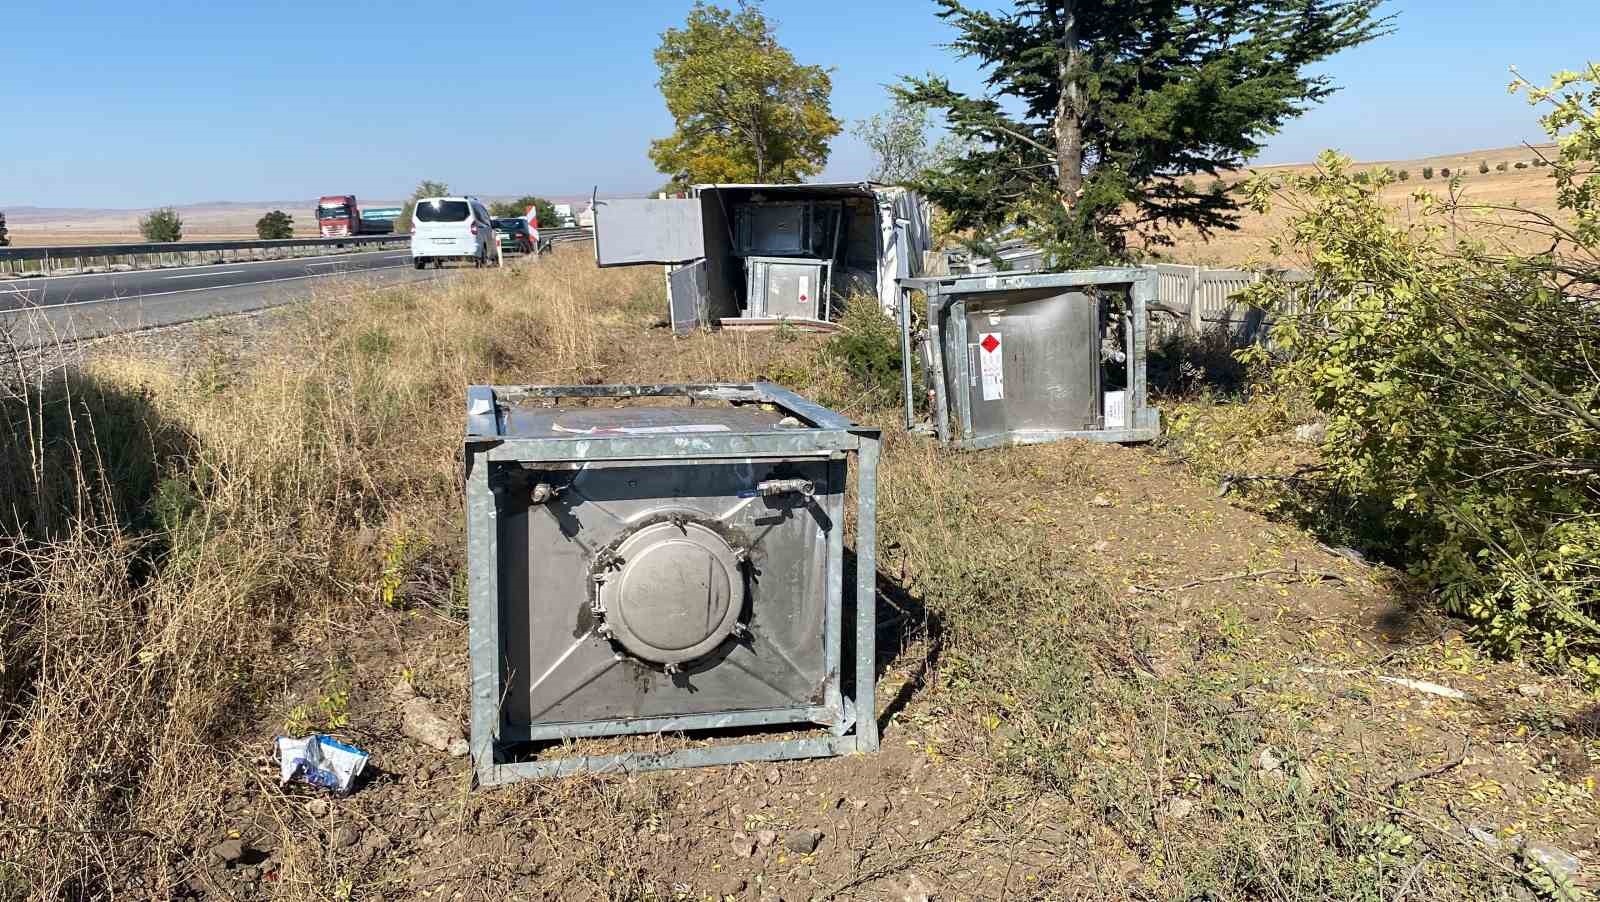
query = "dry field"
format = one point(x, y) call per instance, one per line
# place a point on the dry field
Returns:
point(216, 222)
point(1098, 678)
point(33, 227)
point(1529, 188)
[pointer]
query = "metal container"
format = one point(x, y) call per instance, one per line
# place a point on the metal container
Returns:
point(648, 559)
point(1020, 359)
point(788, 287)
point(773, 229)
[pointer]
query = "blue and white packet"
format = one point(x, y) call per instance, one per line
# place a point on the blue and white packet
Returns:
point(320, 761)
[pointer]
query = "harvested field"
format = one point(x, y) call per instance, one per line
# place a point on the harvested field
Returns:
point(1099, 679)
point(1530, 188)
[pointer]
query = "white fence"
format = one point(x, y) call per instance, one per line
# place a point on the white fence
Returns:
point(1200, 299)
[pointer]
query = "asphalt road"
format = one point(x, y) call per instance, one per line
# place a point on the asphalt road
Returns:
point(40, 310)
point(59, 291)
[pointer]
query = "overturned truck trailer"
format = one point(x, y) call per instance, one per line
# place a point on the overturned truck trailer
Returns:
point(1021, 359)
point(753, 254)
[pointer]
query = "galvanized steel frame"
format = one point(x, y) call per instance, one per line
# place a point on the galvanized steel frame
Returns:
point(950, 292)
point(832, 435)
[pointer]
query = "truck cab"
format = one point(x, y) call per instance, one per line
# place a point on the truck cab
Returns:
point(338, 216)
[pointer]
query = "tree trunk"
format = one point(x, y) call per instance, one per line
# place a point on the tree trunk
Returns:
point(759, 141)
point(1069, 131)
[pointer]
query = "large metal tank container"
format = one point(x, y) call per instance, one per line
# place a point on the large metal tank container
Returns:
point(648, 559)
point(781, 287)
point(1038, 357)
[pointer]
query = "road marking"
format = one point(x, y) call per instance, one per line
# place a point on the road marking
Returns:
point(201, 275)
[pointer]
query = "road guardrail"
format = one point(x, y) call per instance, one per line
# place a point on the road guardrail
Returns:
point(90, 258)
point(85, 258)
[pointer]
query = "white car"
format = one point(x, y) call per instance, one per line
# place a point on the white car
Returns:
point(451, 228)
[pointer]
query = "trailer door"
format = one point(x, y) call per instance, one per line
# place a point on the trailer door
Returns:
point(635, 230)
point(689, 298)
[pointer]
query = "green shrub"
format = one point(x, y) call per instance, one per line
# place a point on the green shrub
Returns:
point(163, 224)
point(868, 347)
point(1483, 166)
point(1455, 393)
point(275, 225)
point(1521, 165)
point(1427, 172)
point(1405, 175)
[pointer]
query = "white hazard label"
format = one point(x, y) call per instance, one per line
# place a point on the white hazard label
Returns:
point(991, 368)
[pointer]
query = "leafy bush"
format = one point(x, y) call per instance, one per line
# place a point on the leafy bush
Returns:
point(1427, 172)
point(548, 218)
point(1500, 166)
point(1483, 166)
point(1444, 172)
point(1540, 163)
point(1522, 165)
point(163, 224)
point(1405, 175)
point(275, 225)
point(1455, 390)
point(868, 347)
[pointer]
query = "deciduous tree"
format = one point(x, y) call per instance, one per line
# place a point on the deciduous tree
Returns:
point(548, 217)
point(745, 110)
point(1095, 110)
point(898, 139)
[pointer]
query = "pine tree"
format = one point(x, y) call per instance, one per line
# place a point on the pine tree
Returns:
point(1115, 102)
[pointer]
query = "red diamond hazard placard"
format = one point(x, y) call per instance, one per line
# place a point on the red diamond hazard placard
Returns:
point(991, 366)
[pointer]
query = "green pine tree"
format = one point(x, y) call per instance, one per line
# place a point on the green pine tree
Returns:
point(1097, 109)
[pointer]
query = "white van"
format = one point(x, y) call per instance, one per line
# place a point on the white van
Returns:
point(451, 228)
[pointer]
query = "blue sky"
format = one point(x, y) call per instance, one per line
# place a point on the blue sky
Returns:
point(118, 104)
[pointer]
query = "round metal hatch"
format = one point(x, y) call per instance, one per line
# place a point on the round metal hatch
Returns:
point(677, 595)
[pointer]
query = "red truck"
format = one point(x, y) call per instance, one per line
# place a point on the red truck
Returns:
point(338, 216)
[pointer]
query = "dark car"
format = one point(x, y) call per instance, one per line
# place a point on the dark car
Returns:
point(514, 235)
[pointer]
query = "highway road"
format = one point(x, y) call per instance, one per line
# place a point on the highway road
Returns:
point(40, 310)
point(57, 291)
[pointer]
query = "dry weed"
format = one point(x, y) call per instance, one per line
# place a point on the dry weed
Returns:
point(165, 529)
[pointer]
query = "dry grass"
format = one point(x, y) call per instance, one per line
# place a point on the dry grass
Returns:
point(165, 529)
point(191, 551)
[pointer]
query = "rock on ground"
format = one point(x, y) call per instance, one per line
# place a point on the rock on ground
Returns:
point(802, 841)
point(419, 721)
